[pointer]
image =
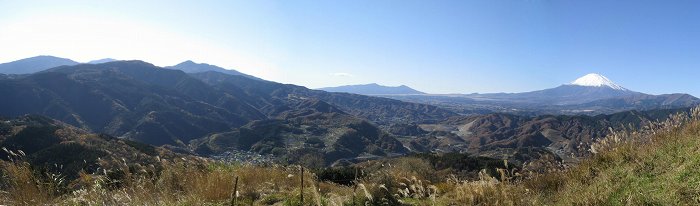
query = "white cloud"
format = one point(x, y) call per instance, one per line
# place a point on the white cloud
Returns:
point(342, 74)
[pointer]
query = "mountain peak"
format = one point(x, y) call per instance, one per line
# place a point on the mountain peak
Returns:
point(34, 64)
point(190, 66)
point(596, 80)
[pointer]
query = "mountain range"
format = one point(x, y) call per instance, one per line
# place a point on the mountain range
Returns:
point(373, 89)
point(198, 109)
point(41, 63)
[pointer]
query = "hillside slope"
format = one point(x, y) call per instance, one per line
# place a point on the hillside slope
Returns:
point(655, 165)
point(506, 135)
point(648, 167)
point(53, 146)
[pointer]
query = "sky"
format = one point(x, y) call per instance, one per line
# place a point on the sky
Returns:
point(462, 46)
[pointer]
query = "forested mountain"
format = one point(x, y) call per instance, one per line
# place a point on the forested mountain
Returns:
point(139, 101)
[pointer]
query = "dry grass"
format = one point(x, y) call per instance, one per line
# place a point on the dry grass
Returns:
point(182, 184)
point(178, 183)
point(23, 188)
point(488, 191)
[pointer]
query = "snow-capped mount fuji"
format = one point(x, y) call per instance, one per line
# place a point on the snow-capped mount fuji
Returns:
point(588, 88)
point(596, 80)
point(589, 94)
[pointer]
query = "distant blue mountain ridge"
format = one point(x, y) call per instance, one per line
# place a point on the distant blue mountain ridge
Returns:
point(373, 89)
point(44, 62)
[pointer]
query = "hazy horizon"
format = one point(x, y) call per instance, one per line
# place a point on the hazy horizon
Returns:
point(436, 47)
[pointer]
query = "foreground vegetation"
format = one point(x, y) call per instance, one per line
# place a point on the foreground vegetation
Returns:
point(657, 165)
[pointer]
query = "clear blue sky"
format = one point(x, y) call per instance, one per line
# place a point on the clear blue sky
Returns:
point(434, 46)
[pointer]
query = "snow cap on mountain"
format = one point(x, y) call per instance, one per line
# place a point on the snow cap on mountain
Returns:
point(596, 80)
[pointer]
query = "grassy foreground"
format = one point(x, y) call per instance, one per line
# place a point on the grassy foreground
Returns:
point(657, 165)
